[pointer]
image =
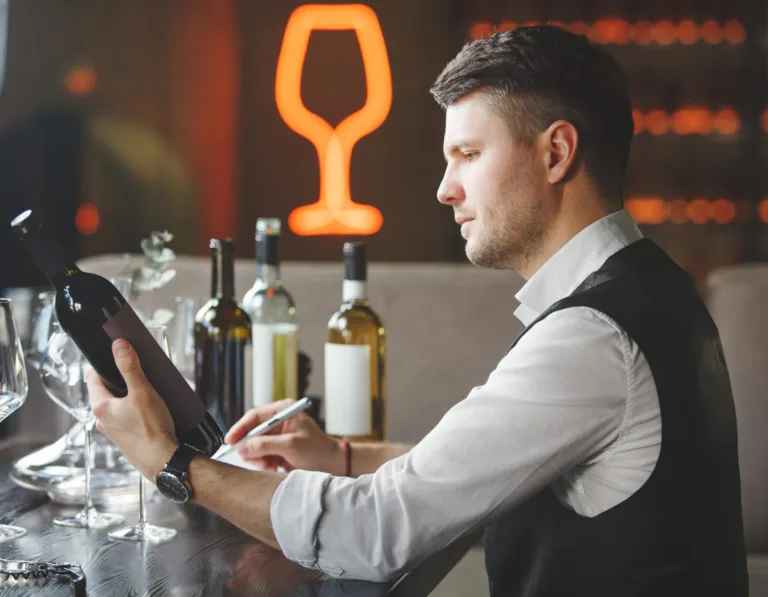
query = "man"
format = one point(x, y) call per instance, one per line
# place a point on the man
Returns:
point(600, 454)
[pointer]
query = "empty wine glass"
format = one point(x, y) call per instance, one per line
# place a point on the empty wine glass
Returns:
point(41, 327)
point(144, 531)
point(60, 460)
point(13, 383)
point(182, 337)
point(62, 371)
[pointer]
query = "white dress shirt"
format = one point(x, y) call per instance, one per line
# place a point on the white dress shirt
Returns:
point(573, 407)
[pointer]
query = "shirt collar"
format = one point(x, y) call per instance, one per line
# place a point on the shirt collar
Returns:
point(573, 262)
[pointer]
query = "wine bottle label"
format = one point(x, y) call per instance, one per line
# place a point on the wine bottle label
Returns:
point(263, 364)
point(275, 362)
point(347, 389)
point(185, 407)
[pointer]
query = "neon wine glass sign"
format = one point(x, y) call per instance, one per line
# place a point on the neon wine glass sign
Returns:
point(334, 212)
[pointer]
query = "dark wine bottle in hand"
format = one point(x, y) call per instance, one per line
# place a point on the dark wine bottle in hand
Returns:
point(94, 314)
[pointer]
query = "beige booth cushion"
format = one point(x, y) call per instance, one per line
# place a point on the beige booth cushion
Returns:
point(738, 301)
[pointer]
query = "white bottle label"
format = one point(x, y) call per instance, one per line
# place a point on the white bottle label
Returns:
point(347, 389)
point(263, 363)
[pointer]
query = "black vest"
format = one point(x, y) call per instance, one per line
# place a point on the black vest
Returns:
point(681, 533)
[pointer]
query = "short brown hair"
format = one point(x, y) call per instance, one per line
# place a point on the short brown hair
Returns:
point(536, 75)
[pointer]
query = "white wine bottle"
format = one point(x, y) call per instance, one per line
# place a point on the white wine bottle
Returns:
point(274, 322)
point(355, 359)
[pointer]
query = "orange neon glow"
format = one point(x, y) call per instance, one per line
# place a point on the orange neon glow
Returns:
point(722, 211)
point(689, 120)
point(641, 33)
point(484, 29)
point(762, 210)
point(656, 122)
point(734, 32)
point(711, 32)
point(698, 211)
point(611, 31)
point(726, 122)
point(664, 33)
point(579, 27)
point(692, 121)
point(764, 121)
point(80, 81)
point(621, 32)
point(87, 219)
point(687, 32)
point(651, 209)
point(647, 210)
point(677, 211)
point(334, 212)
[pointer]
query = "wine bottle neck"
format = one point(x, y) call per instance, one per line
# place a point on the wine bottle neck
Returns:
point(267, 249)
point(268, 275)
point(51, 259)
point(223, 274)
point(355, 273)
point(354, 290)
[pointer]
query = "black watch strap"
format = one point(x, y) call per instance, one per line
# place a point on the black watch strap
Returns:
point(179, 462)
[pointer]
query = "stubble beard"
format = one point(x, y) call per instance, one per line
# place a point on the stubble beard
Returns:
point(512, 236)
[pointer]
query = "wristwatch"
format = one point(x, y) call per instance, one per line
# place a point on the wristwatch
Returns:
point(172, 482)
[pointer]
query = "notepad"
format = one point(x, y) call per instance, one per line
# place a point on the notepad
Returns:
point(232, 457)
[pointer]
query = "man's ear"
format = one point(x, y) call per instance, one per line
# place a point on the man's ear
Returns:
point(561, 145)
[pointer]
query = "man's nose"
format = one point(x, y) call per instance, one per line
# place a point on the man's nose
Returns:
point(449, 192)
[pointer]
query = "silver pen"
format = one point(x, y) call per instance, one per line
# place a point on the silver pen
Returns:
point(285, 414)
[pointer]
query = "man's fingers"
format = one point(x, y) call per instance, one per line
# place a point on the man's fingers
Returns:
point(98, 394)
point(100, 427)
point(94, 381)
point(128, 364)
point(266, 445)
point(101, 406)
point(255, 417)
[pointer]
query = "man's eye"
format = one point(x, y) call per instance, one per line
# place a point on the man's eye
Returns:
point(471, 155)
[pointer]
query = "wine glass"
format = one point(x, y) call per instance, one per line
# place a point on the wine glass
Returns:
point(144, 531)
point(41, 327)
point(62, 371)
point(182, 338)
point(124, 285)
point(60, 460)
point(13, 383)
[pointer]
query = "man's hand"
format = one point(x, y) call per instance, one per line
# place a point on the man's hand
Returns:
point(298, 443)
point(139, 424)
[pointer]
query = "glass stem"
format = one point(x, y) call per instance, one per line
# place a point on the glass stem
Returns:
point(72, 434)
point(142, 503)
point(88, 433)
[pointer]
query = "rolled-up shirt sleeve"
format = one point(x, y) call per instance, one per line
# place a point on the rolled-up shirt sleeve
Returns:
point(554, 401)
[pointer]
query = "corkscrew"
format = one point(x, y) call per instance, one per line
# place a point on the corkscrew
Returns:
point(20, 569)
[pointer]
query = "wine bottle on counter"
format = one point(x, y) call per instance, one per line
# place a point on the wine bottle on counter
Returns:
point(94, 314)
point(223, 342)
point(355, 359)
point(274, 322)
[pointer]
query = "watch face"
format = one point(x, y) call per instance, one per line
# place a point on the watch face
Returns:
point(171, 487)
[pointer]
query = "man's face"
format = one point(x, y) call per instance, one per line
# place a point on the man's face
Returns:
point(495, 185)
